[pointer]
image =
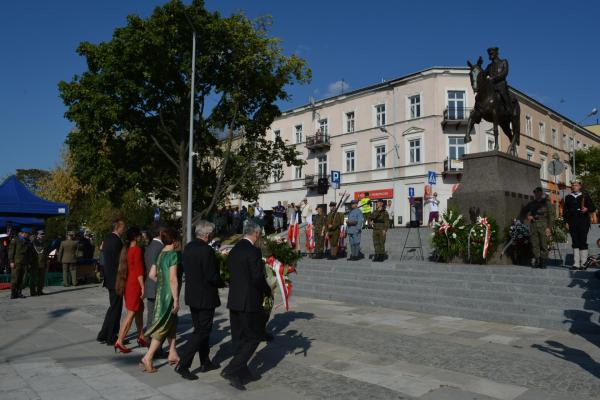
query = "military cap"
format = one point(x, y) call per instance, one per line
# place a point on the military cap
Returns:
point(538, 189)
point(332, 204)
point(353, 202)
point(381, 201)
point(576, 181)
point(26, 230)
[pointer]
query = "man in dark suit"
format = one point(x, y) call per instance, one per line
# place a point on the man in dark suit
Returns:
point(247, 287)
point(202, 281)
point(150, 255)
point(111, 250)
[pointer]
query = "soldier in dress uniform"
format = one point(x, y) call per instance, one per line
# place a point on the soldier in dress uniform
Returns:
point(380, 220)
point(37, 273)
point(334, 221)
point(20, 256)
point(67, 256)
point(319, 221)
point(540, 215)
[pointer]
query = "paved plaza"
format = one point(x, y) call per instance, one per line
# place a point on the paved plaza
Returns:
point(322, 350)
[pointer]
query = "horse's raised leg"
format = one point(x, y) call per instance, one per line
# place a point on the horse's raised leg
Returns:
point(470, 125)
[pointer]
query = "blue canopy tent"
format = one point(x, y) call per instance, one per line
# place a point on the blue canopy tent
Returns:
point(17, 201)
point(21, 221)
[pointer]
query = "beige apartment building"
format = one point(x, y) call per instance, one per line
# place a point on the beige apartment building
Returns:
point(385, 138)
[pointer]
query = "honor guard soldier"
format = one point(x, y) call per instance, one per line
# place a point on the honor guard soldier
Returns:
point(578, 206)
point(20, 256)
point(319, 222)
point(540, 215)
point(334, 221)
point(380, 219)
point(67, 256)
point(37, 273)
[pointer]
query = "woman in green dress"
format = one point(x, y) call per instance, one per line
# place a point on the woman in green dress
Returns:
point(164, 272)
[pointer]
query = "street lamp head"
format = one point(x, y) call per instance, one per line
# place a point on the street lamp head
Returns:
point(594, 112)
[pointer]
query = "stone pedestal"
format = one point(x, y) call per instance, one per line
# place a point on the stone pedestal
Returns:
point(498, 185)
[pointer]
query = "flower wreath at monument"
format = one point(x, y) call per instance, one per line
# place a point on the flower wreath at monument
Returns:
point(449, 235)
point(517, 244)
point(482, 240)
point(280, 261)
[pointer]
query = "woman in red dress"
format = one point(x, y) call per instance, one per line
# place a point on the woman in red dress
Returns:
point(130, 283)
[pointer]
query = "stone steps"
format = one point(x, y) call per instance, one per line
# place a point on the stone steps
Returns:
point(506, 294)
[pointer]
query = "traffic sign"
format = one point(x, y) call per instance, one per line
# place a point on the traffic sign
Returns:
point(336, 179)
point(555, 167)
point(411, 192)
point(431, 177)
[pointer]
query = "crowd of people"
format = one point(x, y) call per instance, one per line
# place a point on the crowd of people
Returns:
point(133, 276)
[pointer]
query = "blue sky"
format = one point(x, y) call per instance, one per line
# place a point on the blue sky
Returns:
point(552, 47)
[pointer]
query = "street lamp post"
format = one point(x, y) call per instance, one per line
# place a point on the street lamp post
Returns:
point(188, 216)
point(592, 113)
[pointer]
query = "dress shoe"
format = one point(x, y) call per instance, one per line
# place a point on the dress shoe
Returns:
point(209, 366)
point(247, 376)
point(185, 373)
point(332, 258)
point(268, 337)
point(352, 258)
point(235, 381)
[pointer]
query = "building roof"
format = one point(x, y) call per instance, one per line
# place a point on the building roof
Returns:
point(594, 128)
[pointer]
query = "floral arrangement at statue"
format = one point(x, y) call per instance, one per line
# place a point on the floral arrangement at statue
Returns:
point(482, 240)
point(559, 231)
point(449, 235)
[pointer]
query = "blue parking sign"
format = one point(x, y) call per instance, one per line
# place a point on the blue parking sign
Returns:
point(431, 177)
point(411, 192)
point(336, 179)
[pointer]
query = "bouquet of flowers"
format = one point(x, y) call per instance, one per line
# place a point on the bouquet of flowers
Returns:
point(482, 240)
point(519, 233)
point(559, 231)
point(449, 235)
point(518, 242)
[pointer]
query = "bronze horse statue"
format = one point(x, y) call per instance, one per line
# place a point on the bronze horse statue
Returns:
point(489, 106)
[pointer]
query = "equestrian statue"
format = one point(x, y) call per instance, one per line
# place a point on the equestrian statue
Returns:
point(493, 101)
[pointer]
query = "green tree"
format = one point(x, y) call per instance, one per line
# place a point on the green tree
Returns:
point(131, 106)
point(588, 168)
point(31, 178)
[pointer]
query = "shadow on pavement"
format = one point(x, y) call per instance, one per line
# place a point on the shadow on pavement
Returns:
point(76, 289)
point(576, 356)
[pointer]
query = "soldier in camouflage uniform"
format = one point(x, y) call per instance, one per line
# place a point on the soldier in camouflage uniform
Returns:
point(334, 222)
point(38, 267)
point(20, 256)
point(380, 220)
point(540, 215)
point(319, 221)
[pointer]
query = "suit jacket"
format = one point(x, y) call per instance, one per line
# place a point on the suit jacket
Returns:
point(202, 275)
point(67, 252)
point(111, 249)
point(150, 255)
point(247, 283)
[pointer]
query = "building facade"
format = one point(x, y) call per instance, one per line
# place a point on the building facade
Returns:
point(385, 138)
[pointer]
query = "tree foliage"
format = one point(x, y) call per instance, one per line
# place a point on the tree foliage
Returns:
point(31, 178)
point(588, 168)
point(131, 106)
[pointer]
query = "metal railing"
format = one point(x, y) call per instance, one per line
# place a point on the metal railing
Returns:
point(318, 140)
point(457, 113)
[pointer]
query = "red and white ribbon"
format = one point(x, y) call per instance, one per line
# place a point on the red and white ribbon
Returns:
point(310, 238)
point(488, 234)
point(285, 286)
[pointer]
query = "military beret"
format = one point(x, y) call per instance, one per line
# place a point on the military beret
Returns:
point(26, 230)
point(332, 204)
point(353, 202)
point(381, 201)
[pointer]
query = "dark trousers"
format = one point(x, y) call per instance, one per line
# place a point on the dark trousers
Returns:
point(247, 330)
point(112, 319)
point(579, 234)
point(199, 341)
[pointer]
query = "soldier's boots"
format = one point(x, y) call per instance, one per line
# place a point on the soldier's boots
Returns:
point(13, 293)
point(378, 258)
point(542, 263)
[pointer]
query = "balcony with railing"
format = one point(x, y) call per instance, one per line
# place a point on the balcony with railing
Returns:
point(319, 141)
point(452, 167)
point(456, 116)
point(311, 181)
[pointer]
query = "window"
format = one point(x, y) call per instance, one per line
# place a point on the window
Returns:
point(415, 106)
point(571, 143)
point(298, 173)
point(350, 122)
point(528, 125)
point(542, 132)
point(324, 126)
point(322, 166)
point(554, 137)
point(565, 143)
point(414, 151)
point(529, 155)
point(298, 129)
point(380, 115)
point(456, 104)
point(349, 160)
point(491, 143)
point(542, 167)
point(277, 134)
point(380, 156)
point(456, 147)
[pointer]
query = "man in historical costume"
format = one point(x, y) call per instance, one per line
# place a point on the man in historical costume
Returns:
point(540, 214)
point(365, 207)
point(355, 223)
point(333, 223)
point(319, 222)
point(202, 283)
point(67, 256)
point(576, 213)
point(37, 273)
point(20, 257)
point(247, 289)
point(380, 219)
point(307, 217)
point(496, 72)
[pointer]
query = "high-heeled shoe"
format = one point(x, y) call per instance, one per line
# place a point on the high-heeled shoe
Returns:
point(121, 348)
point(146, 367)
point(142, 342)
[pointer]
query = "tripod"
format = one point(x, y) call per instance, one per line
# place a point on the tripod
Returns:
point(415, 248)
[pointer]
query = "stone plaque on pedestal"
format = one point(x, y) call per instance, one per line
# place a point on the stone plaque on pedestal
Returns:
point(495, 184)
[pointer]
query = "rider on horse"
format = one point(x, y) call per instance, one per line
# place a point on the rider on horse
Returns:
point(496, 72)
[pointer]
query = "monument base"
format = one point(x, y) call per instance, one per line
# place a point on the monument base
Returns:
point(497, 185)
